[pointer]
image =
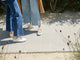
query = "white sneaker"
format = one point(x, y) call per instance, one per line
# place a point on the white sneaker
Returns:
point(28, 28)
point(39, 33)
point(19, 40)
point(11, 35)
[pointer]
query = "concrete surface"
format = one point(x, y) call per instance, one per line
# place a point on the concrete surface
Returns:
point(39, 56)
point(54, 37)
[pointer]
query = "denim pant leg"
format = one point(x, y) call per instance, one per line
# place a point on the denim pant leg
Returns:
point(9, 26)
point(26, 10)
point(35, 15)
point(16, 17)
point(31, 12)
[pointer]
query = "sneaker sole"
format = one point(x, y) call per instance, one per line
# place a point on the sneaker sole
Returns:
point(19, 41)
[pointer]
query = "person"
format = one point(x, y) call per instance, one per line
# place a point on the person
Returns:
point(30, 10)
point(14, 20)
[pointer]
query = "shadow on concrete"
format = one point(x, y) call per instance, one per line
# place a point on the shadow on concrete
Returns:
point(28, 32)
point(2, 43)
point(4, 35)
point(61, 22)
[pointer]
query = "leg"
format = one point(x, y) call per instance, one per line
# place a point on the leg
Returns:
point(17, 17)
point(35, 16)
point(34, 12)
point(9, 24)
point(16, 21)
point(8, 19)
point(26, 11)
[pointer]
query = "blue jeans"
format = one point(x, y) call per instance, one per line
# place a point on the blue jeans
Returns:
point(31, 12)
point(13, 18)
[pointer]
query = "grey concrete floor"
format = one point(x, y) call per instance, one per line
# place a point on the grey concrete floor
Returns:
point(55, 37)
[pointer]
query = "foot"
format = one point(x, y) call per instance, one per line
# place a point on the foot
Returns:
point(39, 33)
point(19, 40)
point(11, 34)
point(29, 28)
